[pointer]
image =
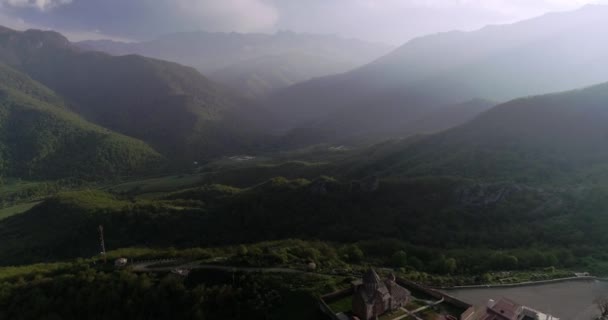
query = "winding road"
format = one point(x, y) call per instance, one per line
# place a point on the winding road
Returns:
point(148, 266)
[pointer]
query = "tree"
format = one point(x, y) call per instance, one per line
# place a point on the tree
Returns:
point(242, 250)
point(450, 265)
point(353, 253)
point(416, 263)
point(399, 259)
point(501, 261)
point(486, 278)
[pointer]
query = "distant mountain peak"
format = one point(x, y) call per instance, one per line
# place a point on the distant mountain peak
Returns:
point(239, 54)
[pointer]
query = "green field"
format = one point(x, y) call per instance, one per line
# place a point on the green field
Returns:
point(11, 185)
point(18, 209)
point(156, 185)
point(392, 315)
point(343, 305)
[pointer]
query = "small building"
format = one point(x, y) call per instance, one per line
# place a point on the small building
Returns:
point(505, 309)
point(120, 262)
point(375, 297)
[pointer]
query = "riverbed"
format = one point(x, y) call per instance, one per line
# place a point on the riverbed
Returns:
point(570, 300)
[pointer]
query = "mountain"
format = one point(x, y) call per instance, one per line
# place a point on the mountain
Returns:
point(390, 119)
point(260, 76)
point(535, 139)
point(255, 64)
point(449, 116)
point(554, 52)
point(523, 172)
point(41, 138)
point(174, 108)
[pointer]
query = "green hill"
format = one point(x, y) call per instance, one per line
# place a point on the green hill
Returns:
point(41, 138)
point(434, 213)
point(173, 108)
point(533, 139)
point(518, 174)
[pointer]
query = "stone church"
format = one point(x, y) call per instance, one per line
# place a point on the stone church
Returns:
point(375, 297)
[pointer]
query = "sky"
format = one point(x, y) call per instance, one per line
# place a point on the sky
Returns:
point(387, 21)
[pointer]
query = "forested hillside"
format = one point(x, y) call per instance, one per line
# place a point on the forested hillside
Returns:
point(232, 175)
point(41, 138)
point(254, 64)
point(173, 108)
point(536, 139)
point(428, 212)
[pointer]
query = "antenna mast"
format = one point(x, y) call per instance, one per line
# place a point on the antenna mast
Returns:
point(103, 244)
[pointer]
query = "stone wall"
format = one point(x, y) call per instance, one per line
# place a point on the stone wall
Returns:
point(328, 298)
point(435, 293)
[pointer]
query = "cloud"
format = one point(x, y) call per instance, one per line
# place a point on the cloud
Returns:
point(74, 35)
point(147, 18)
point(228, 15)
point(394, 21)
point(39, 4)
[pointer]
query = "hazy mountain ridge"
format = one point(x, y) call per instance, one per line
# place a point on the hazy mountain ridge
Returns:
point(261, 76)
point(551, 53)
point(537, 139)
point(258, 58)
point(171, 107)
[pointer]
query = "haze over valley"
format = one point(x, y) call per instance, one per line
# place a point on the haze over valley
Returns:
point(389, 160)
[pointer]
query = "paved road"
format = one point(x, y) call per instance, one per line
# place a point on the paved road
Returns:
point(571, 300)
point(149, 267)
point(413, 313)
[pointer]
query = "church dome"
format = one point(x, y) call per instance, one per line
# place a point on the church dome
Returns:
point(371, 280)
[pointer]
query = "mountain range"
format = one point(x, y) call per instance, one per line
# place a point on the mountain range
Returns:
point(253, 64)
point(428, 85)
point(171, 109)
point(535, 139)
point(488, 149)
point(512, 176)
point(551, 53)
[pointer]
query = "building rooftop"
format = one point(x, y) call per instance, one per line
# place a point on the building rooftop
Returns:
point(505, 309)
point(371, 277)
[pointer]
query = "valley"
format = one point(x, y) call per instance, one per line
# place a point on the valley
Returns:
point(296, 175)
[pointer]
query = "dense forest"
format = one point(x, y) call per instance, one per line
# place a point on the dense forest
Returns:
point(431, 220)
point(41, 139)
point(82, 291)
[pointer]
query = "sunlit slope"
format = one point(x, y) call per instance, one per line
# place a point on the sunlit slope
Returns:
point(41, 138)
point(536, 138)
